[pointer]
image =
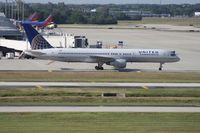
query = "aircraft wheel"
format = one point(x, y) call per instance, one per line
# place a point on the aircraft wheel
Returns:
point(96, 67)
point(161, 66)
point(101, 68)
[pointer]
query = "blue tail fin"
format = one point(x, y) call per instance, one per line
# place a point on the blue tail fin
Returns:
point(35, 39)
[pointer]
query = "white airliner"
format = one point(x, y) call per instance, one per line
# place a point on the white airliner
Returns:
point(114, 57)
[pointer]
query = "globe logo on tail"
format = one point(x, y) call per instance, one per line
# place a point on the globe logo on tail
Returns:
point(39, 42)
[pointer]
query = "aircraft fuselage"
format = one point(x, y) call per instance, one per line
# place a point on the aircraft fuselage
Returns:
point(91, 55)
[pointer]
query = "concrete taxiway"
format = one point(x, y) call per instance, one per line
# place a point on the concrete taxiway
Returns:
point(96, 109)
point(97, 85)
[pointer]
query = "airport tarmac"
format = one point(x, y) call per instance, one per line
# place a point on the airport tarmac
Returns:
point(97, 109)
point(98, 85)
point(186, 44)
point(47, 65)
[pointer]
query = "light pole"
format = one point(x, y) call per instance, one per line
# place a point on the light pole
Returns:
point(12, 8)
point(23, 10)
point(20, 9)
point(6, 8)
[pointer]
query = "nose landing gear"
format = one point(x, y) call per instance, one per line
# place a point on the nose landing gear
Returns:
point(161, 67)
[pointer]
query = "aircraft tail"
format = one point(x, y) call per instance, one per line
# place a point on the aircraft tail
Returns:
point(33, 17)
point(48, 21)
point(35, 39)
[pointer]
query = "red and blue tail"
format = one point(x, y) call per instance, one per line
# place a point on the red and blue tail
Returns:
point(33, 17)
point(49, 19)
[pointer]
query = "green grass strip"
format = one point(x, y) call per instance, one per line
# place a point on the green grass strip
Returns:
point(100, 122)
point(92, 96)
point(102, 76)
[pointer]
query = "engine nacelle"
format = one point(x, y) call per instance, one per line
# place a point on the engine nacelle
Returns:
point(118, 63)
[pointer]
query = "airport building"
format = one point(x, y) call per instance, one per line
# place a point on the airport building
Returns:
point(13, 41)
point(59, 41)
point(197, 14)
point(8, 30)
point(133, 14)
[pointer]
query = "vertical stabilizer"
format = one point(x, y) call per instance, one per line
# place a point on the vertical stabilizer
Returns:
point(48, 21)
point(35, 39)
point(33, 17)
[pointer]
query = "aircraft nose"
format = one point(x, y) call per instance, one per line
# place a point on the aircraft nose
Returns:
point(178, 59)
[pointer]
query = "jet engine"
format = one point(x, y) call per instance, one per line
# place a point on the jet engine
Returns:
point(118, 63)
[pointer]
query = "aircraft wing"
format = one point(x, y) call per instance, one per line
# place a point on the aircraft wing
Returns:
point(104, 59)
point(34, 53)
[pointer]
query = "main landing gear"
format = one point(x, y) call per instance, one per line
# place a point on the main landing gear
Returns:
point(99, 67)
point(161, 66)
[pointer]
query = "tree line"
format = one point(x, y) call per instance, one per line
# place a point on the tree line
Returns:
point(83, 14)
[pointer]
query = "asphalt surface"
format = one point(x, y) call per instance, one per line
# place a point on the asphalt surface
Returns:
point(96, 109)
point(97, 84)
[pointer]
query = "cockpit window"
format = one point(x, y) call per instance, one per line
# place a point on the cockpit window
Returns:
point(173, 53)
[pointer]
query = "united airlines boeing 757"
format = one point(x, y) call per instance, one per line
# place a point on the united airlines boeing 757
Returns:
point(114, 57)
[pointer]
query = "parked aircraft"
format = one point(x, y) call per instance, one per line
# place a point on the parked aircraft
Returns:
point(42, 24)
point(114, 57)
point(52, 25)
point(32, 18)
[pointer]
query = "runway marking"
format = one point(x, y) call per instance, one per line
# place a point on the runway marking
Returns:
point(96, 109)
point(39, 87)
point(144, 87)
point(50, 71)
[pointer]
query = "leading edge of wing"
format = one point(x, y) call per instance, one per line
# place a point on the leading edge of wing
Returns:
point(102, 58)
point(34, 53)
